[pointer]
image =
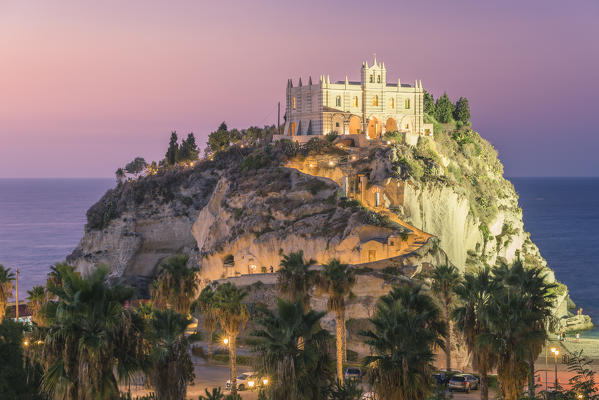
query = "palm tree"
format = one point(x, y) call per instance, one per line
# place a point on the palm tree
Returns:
point(337, 280)
point(295, 280)
point(216, 394)
point(407, 326)
point(232, 315)
point(475, 294)
point(292, 351)
point(89, 335)
point(531, 284)
point(6, 286)
point(509, 336)
point(177, 284)
point(444, 279)
point(206, 305)
point(37, 298)
point(170, 367)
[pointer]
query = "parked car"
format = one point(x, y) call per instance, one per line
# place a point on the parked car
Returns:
point(463, 383)
point(352, 373)
point(368, 396)
point(248, 381)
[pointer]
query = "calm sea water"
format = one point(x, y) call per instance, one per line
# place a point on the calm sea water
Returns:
point(41, 221)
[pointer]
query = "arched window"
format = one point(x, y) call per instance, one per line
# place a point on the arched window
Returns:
point(293, 103)
point(407, 104)
point(356, 101)
point(375, 100)
point(378, 79)
point(371, 78)
point(338, 101)
point(392, 102)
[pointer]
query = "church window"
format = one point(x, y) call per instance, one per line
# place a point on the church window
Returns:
point(378, 79)
point(392, 102)
point(371, 78)
point(375, 100)
point(356, 101)
point(336, 124)
point(377, 199)
point(338, 101)
point(392, 243)
point(293, 103)
point(407, 104)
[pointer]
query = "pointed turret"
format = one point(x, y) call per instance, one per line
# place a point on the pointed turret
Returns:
point(290, 82)
point(310, 80)
point(300, 82)
point(420, 84)
point(398, 82)
point(346, 80)
point(328, 79)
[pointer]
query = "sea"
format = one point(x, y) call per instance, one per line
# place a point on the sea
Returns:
point(42, 220)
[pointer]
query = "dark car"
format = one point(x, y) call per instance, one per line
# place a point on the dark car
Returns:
point(353, 373)
point(463, 383)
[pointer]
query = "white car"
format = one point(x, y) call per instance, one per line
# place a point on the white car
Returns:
point(247, 381)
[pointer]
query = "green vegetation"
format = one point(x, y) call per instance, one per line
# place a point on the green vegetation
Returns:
point(407, 327)
point(503, 315)
point(444, 109)
point(292, 351)
point(337, 280)
point(6, 286)
point(206, 306)
point(176, 285)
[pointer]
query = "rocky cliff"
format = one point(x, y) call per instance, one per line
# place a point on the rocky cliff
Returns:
point(390, 208)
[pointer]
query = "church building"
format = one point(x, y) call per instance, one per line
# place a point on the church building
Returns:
point(370, 107)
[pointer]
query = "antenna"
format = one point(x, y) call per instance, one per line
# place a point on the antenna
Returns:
point(17, 299)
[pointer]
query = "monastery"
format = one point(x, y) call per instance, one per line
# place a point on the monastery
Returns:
point(370, 107)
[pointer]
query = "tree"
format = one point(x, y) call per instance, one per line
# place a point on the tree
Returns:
point(15, 379)
point(444, 279)
point(173, 149)
point(188, 151)
point(295, 280)
point(221, 139)
point(177, 284)
point(232, 315)
point(170, 367)
point(346, 391)
point(136, 166)
point(539, 295)
point(206, 305)
point(292, 350)
point(444, 109)
point(120, 175)
point(407, 325)
point(6, 286)
point(89, 335)
point(337, 280)
point(475, 294)
point(37, 298)
point(462, 111)
point(429, 103)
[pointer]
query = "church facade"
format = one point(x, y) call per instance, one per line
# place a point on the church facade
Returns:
point(370, 107)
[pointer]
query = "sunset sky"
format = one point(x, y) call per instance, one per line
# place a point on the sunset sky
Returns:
point(85, 86)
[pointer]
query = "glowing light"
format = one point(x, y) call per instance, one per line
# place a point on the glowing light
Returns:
point(226, 341)
point(251, 384)
point(553, 349)
point(388, 142)
point(331, 163)
point(265, 381)
point(25, 343)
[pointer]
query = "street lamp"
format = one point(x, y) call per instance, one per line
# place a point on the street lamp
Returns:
point(555, 354)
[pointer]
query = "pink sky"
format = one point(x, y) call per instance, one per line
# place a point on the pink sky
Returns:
point(87, 86)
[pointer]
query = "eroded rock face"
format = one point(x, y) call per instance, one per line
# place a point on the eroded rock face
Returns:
point(236, 218)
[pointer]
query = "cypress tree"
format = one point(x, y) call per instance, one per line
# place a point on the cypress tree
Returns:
point(173, 149)
point(429, 104)
point(189, 149)
point(444, 109)
point(462, 110)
